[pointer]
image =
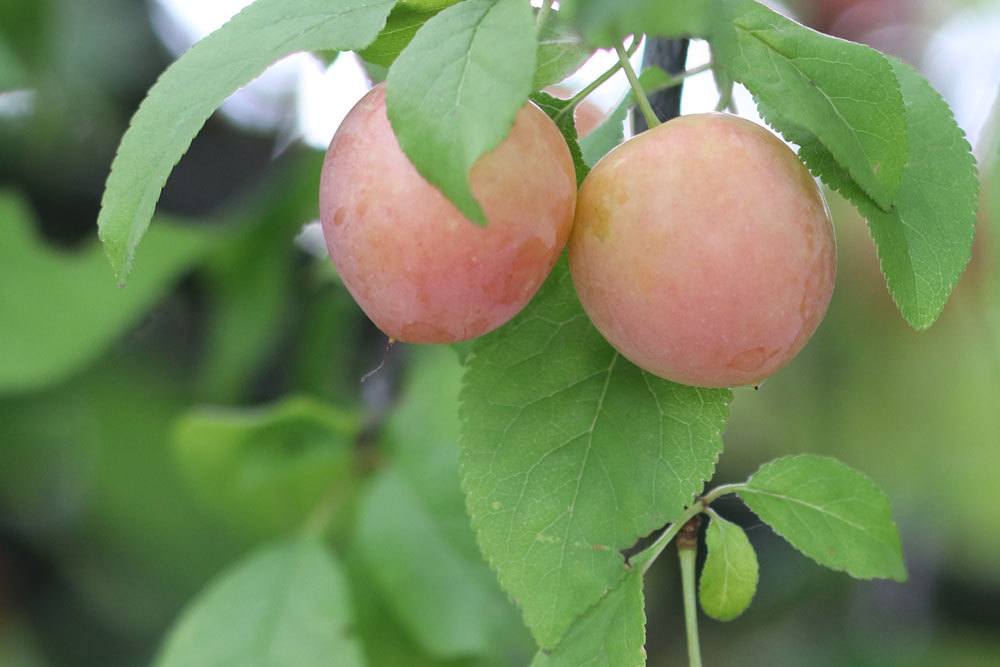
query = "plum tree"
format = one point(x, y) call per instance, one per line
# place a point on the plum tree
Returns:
point(703, 251)
point(418, 268)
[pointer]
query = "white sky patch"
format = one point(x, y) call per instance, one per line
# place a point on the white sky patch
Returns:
point(325, 96)
point(963, 62)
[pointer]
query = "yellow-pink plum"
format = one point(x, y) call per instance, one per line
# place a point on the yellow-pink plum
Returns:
point(418, 268)
point(703, 251)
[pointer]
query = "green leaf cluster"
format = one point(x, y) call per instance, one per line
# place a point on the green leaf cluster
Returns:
point(570, 454)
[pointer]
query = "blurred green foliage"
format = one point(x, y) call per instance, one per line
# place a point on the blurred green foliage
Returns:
point(152, 435)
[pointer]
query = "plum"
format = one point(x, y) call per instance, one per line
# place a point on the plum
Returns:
point(418, 268)
point(703, 251)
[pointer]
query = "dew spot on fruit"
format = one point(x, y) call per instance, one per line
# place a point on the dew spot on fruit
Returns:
point(338, 216)
point(361, 207)
point(751, 360)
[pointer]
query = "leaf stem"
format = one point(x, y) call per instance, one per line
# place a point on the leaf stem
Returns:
point(678, 79)
point(633, 80)
point(648, 556)
point(687, 552)
point(543, 13)
point(720, 491)
point(595, 84)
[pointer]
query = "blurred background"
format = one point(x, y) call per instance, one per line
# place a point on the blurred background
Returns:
point(151, 435)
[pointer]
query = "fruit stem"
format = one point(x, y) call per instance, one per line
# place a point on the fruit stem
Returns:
point(640, 95)
point(595, 84)
point(687, 552)
point(543, 13)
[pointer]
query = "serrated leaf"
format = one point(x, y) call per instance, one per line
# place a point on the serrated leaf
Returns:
point(925, 242)
point(607, 23)
point(729, 578)
point(454, 91)
point(844, 93)
point(61, 310)
point(558, 110)
point(570, 453)
point(284, 605)
point(560, 52)
point(830, 512)
point(400, 27)
point(265, 469)
point(190, 90)
point(611, 634)
point(611, 132)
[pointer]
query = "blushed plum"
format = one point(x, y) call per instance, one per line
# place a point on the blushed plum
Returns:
point(418, 268)
point(703, 251)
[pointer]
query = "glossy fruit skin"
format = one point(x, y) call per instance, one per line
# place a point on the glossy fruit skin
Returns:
point(703, 251)
point(418, 268)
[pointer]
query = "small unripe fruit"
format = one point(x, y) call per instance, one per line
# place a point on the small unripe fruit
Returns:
point(418, 268)
point(703, 251)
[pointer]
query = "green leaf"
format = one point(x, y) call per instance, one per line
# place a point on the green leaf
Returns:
point(570, 453)
point(830, 512)
point(414, 534)
point(607, 23)
point(284, 605)
point(611, 132)
point(61, 310)
point(455, 90)
point(611, 634)
point(447, 600)
point(925, 241)
point(265, 469)
point(400, 27)
point(845, 94)
point(558, 110)
point(422, 437)
point(729, 578)
point(193, 87)
point(427, 5)
point(560, 52)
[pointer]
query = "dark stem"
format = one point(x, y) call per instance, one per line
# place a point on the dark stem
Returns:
point(688, 537)
point(671, 56)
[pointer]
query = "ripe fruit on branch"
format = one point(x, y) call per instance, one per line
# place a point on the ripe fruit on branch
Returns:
point(419, 269)
point(703, 251)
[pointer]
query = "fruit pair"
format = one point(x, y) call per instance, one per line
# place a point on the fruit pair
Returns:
point(701, 249)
